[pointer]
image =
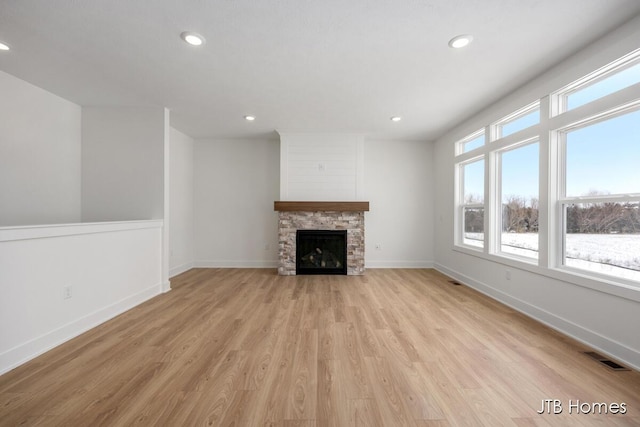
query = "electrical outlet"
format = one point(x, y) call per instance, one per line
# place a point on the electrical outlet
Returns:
point(66, 292)
point(378, 246)
point(507, 274)
point(267, 247)
point(321, 167)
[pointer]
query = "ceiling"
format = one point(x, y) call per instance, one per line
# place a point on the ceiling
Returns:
point(297, 65)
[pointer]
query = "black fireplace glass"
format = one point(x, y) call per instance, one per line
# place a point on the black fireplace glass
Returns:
point(321, 252)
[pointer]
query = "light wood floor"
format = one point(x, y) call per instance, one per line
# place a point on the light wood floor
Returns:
point(247, 347)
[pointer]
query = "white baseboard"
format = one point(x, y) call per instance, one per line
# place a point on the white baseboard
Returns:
point(274, 264)
point(165, 287)
point(236, 264)
point(398, 264)
point(602, 344)
point(22, 353)
point(181, 269)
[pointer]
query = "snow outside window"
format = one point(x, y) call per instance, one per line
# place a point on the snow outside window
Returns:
point(472, 178)
point(601, 207)
point(519, 171)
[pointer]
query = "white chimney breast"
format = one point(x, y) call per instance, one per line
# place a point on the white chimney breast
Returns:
point(321, 166)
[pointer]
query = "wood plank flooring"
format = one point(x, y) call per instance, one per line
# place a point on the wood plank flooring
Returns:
point(246, 347)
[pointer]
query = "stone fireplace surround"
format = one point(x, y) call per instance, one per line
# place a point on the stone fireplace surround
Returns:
point(293, 216)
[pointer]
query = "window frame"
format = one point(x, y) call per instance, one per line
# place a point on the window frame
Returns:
point(560, 97)
point(460, 149)
point(563, 201)
point(496, 127)
point(551, 180)
point(462, 205)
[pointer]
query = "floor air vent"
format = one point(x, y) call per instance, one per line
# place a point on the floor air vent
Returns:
point(453, 282)
point(608, 362)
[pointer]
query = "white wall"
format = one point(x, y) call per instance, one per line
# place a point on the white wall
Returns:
point(56, 160)
point(399, 186)
point(181, 223)
point(321, 166)
point(110, 267)
point(123, 163)
point(236, 183)
point(607, 322)
point(39, 155)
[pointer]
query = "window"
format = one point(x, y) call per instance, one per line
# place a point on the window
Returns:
point(612, 78)
point(602, 195)
point(473, 141)
point(472, 178)
point(562, 190)
point(521, 119)
point(603, 87)
point(519, 169)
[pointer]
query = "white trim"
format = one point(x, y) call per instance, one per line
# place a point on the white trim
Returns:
point(274, 264)
point(24, 352)
point(619, 351)
point(472, 156)
point(166, 203)
point(8, 234)
point(546, 182)
point(625, 198)
point(181, 269)
point(235, 264)
point(398, 264)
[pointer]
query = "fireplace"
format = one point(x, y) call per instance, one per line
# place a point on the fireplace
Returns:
point(321, 252)
point(344, 217)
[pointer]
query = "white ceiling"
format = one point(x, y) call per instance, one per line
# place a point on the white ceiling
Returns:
point(298, 65)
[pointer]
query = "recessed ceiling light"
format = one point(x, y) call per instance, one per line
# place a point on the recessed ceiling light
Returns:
point(193, 39)
point(460, 41)
point(396, 118)
point(250, 118)
point(4, 46)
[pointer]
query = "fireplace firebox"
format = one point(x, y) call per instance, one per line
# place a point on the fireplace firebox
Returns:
point(321, 252)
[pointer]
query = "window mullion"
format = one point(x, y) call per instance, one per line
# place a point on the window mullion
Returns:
point(546, 181)
point(459, 212)
point(491, 191)
point(555, 192)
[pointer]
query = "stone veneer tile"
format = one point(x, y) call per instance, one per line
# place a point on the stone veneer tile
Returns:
point(290, 222)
